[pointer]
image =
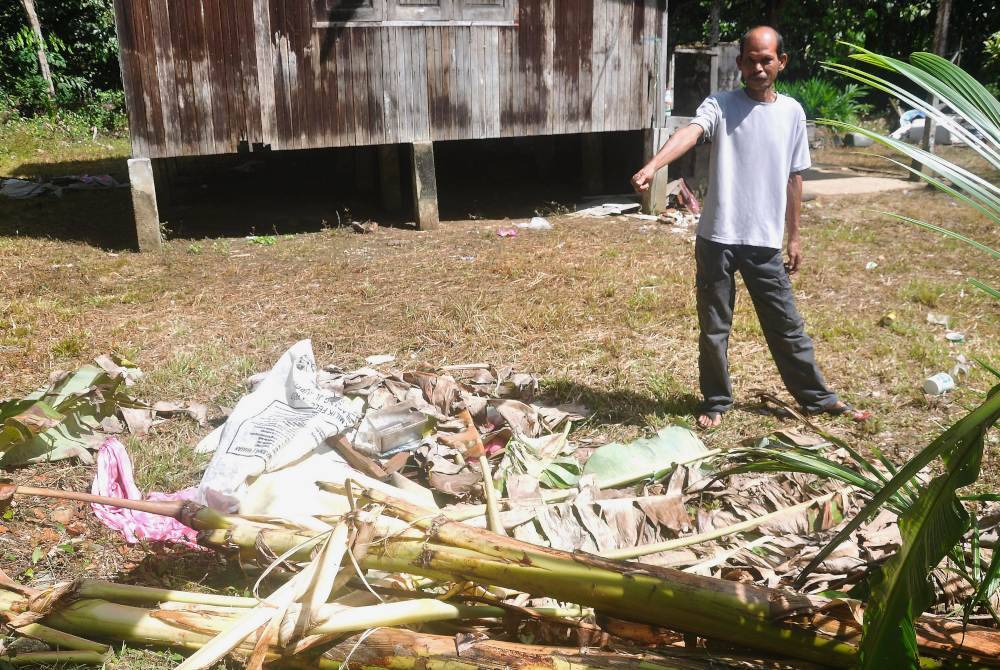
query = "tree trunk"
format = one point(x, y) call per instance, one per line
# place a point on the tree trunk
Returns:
point(713, 37)
point(940, 47)
point(43, 59)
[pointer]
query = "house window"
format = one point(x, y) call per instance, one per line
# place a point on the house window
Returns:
point(339, 12)
point(349, 10)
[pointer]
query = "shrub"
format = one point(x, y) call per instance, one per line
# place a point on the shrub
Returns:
point(822, 99)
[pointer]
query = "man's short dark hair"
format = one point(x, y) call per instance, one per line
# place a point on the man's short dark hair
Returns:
point(746, 36)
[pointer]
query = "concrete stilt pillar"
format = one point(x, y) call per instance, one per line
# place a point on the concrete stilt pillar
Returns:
point(390, 187)
point(147, 216)
point(425, 202)
point(655, 199)
point(592, 158)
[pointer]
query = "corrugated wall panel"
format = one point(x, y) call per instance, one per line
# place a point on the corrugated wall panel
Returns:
point(202, 76)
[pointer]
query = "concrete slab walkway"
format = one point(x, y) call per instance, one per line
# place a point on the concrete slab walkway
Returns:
point(828, 181)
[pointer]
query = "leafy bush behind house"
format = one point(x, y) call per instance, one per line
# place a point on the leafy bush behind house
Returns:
point(82, 50)
point(822, 99)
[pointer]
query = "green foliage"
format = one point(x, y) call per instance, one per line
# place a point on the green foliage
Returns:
point(930, 528)
point(82, 50)
point(970, 100)
point(936, 521)
point(815, 32)
point(822, 99)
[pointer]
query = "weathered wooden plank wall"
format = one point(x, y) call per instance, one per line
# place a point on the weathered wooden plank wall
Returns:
point(205, 76)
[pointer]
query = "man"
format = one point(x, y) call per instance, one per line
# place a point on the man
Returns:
point(759, 150)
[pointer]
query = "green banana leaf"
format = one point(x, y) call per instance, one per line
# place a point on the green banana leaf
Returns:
point(61, 420)
point(615, 462)
point(930, 528)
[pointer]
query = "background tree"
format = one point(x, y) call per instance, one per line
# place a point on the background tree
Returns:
point(43, 59)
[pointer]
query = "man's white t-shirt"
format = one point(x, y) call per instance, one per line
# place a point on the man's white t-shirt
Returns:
point(755, 147)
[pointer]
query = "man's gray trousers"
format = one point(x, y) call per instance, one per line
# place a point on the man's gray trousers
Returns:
point(767, 281)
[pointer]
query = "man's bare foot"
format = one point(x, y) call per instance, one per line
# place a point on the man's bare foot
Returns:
point(709, 420)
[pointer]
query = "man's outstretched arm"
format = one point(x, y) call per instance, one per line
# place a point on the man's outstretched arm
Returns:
point(678, 145)
point(792, 212)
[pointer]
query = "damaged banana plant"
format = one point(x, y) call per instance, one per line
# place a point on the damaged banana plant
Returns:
point(330, 583)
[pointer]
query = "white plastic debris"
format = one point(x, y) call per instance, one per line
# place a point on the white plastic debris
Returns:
point(938, 319)
point(940, 383)
point(537, 223)
point(380, 359)
point(286, 418)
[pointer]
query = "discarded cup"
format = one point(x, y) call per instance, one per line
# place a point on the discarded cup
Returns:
point(937, 384)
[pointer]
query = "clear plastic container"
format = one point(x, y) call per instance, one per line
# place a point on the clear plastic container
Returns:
point(396, 427)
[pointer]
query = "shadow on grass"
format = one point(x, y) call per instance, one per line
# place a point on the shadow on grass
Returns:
point(100, 218)
point(621, 406)
point(185, 569)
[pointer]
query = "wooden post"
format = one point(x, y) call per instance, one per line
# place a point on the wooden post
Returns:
point(390, 188)
point(147, 217)
point(592, 160)
point(425, 203)
point(654, 200)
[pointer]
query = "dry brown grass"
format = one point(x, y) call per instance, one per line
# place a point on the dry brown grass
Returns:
point(603, 309)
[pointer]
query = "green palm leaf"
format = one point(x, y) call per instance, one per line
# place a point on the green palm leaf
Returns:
point(966, 429)
point(900, 592)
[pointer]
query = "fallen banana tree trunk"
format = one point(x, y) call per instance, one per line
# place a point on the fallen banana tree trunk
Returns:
point(424, 542)
point(747, 616)
point(392, 649)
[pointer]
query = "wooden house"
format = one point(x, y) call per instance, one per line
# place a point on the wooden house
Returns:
point(207, 77)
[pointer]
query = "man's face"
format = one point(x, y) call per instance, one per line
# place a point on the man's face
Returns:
point(760, 61)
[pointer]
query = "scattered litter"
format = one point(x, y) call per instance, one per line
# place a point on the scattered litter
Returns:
point(938, 384)
point(114, 478)
point(742, 522)
point(643, 217)
point(954, 336)
point(887, 320)
point(608, 209)
point(537, 223)
point(507, 232)
point(938, 319)
point(380, 359)
point(871, 265)
point(962, 366)
point(365, 228)
point(680, 220)
point(286, 417)
point(683, 197)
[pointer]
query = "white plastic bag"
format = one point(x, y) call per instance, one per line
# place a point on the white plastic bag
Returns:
point(285, 419)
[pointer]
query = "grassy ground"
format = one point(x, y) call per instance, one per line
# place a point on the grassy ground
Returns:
point(602, 309)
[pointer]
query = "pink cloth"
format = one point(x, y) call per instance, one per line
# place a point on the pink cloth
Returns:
point(115, 478)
